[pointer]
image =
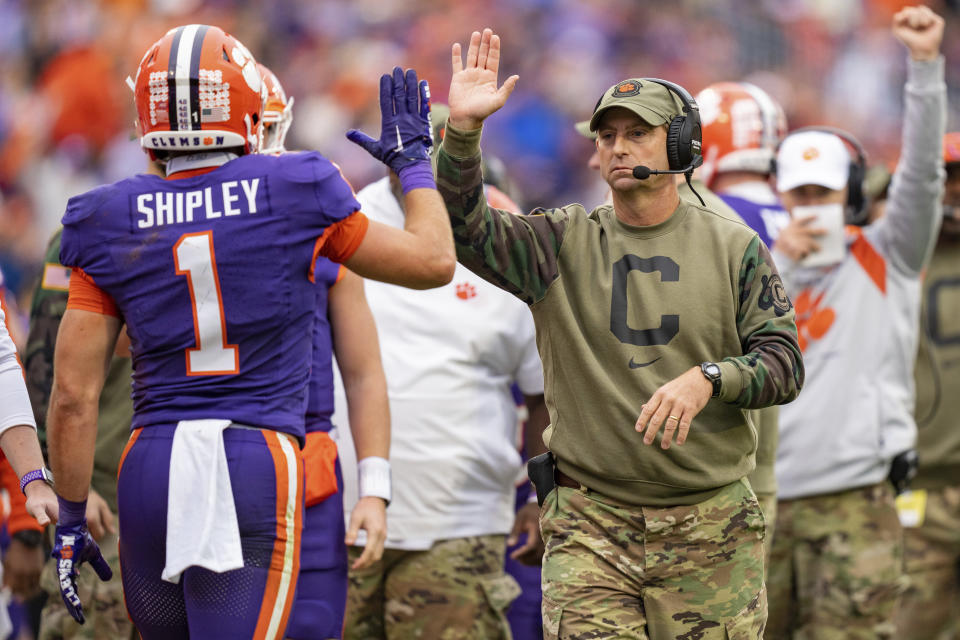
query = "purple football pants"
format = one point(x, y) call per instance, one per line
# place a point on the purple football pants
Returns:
point(525, 617)
point(251, 602)
point(322, 587)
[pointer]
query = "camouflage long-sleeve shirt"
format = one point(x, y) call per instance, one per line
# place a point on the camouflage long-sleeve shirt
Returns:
point(621, 310)
point(116, 407)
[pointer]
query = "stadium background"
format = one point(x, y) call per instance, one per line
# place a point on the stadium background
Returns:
point(66, 114)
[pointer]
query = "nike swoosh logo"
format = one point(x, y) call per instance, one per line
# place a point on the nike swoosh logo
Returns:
point(640, 365)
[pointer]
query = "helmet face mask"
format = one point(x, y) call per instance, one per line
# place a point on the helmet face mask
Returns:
point(277, 113)
point(742, 125)
point(198, 89)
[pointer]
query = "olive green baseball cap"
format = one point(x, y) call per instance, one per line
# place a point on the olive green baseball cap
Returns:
point(652, 101)
point(583, 128)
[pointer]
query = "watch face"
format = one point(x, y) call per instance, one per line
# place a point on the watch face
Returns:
point(713, 369)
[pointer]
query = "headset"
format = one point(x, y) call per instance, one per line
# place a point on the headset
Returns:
point(856, 206)
point(683, 134)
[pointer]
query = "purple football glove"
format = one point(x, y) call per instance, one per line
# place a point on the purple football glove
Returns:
point(73, 545)
point(406, 133)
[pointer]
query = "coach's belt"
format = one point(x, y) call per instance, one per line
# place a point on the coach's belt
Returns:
point(563, 480)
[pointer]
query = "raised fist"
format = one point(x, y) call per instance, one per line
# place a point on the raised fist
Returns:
point(921, 30)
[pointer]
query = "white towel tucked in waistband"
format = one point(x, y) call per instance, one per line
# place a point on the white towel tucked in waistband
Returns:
point(202, 527)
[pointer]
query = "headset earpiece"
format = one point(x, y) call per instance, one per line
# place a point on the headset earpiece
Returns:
point(856, 212)
point(674, 137)
point(684, 132)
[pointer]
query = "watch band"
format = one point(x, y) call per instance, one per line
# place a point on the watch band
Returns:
point(711, 371)
point(37, 474)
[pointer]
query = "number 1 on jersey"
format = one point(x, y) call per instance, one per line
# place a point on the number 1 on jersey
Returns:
point(194, 258)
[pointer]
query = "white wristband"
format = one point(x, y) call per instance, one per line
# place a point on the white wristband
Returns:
point(374, 478)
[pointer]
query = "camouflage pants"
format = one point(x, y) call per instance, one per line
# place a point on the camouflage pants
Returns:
point(930, 608)
point(768, 505)
point(835, 571)
point(456, 590)
point(103, 603)
point(613, 571)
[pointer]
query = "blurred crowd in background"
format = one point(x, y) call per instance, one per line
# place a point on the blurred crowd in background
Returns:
point(66, 114)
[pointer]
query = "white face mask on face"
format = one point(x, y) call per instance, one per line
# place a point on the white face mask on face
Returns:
point(828, 217)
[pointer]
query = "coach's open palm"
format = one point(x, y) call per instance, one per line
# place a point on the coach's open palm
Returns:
point(474, 93)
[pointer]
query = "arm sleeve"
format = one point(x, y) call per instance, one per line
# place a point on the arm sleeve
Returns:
point(341, 239)
point(914, 210)
point(516, 253)
point(85, 295)
point(771, 369)
point(49, 303)
point(14, 403)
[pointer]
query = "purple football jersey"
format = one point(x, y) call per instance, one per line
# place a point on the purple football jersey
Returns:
point(211, 275)
point(320, 401)
point(766, 219)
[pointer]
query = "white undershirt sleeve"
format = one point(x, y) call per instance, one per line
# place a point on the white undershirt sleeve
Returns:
point(14, 401)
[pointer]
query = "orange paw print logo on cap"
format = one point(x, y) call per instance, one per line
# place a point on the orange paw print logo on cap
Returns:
point(465, 291)
point(812, 321)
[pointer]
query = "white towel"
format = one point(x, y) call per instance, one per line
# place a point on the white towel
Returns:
point(202, 527)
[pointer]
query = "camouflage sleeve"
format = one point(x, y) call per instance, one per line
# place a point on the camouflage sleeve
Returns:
point(771, 371)
point(516, 253)
point(49, 304)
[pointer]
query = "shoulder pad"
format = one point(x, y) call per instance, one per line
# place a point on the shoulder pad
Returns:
point(81, 207)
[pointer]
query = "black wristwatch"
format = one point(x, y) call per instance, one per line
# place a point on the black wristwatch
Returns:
point(711, 371)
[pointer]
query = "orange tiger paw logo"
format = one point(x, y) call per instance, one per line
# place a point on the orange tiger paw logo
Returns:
point(812, 321)
point(465, 291)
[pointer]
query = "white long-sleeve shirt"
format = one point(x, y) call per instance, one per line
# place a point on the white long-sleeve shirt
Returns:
point(858, 321)
point(449, 355)
point(14, 402)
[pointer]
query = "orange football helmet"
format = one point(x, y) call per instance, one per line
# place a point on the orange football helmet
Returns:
point(951, 147)
point(741, 125)
point(198, 88)
point(277, 113)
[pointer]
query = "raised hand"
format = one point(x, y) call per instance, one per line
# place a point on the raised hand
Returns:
point(406, 134)
point(72, 546)
point(800, 238)
point(921, 30)
point(474, 93)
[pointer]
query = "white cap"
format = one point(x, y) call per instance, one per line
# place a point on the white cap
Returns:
point(812, 157)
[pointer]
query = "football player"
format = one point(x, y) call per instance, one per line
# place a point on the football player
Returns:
point(212, 270)
point(344, 326)
point(742, 125)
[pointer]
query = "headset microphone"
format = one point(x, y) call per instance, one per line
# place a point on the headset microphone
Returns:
point(641, 172)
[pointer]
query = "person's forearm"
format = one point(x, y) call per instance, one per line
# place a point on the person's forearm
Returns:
point(369, 413)
point(426, 218)
point(22, 449)
point(914, 210)
point(71, 439)
point(517, 253)
point(771, 370)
